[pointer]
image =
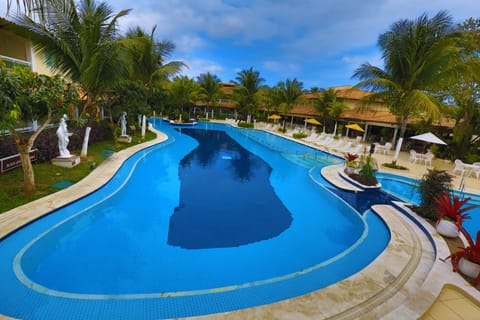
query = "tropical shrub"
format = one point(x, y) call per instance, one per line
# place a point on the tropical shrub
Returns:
point(243, 124)
point(299, 135)
point(433, 183)
point(367, 171)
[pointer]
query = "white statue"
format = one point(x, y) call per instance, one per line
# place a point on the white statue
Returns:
point(123, 123)
point(63, 134)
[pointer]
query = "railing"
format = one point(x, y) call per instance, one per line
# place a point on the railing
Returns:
point(27, 129)
point(322, 156)
point(11, 62)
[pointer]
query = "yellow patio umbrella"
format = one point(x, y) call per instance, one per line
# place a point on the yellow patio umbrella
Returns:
point(312, 121)
point(274, 117)
point(355, 127)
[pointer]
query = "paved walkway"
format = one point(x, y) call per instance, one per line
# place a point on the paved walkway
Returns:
point(402, 283)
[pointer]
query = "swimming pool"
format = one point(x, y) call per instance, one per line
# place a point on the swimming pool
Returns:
point(138, 248)
point(406, 189)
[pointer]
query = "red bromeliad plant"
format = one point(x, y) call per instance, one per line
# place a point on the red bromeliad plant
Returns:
point(445, 207)
point(350, 158)
point(471, 252)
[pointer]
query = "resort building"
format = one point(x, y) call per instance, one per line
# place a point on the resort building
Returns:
point(15, 50)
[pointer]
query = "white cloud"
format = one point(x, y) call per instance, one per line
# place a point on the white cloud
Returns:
point(198, 66)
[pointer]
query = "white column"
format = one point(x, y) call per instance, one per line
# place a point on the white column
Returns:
point(144, 125)
point(83, 154)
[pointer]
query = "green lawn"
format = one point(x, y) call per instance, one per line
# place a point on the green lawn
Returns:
point(46, 174)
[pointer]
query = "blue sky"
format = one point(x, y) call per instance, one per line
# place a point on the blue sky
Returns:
point(319, 42)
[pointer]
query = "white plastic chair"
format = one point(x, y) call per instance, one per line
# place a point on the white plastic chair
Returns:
point(476, 170)
point(428, 158)
point(387, 148)
point(459, 166)
point(413, 156)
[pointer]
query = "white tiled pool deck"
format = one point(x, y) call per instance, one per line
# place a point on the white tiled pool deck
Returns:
point(402, 283)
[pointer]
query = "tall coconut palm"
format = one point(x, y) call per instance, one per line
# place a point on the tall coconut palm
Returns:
point(81, 41)
point(289, 93)
point(324, 102)
point(418, 56)
point(210, 89)
point(183, 92)
point(28, 6)
point(246, 93)
point(146, 58)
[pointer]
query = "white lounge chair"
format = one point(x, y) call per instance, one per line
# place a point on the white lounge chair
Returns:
point(311, 137)
point(345, 148)
point(358, 149)
point(337, 144)
point(325, 142)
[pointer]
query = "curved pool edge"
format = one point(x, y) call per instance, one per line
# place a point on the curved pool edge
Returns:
point(401, 283)
point(370, 291)
point(18, 217)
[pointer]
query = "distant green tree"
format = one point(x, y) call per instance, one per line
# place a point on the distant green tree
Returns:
point(246, 93)
point(328, 105)
point(270, 100)
point(183, 92)
point(210, 89)
point(289, 93)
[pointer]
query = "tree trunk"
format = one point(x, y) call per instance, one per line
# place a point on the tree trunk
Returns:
point(403, 129)
point(24, 147)
point(28, 174)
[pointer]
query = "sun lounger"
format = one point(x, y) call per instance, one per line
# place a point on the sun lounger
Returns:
point(324, 142)
point(311, 137)
point(358, 149)
point(337, 144)
point(345, 148)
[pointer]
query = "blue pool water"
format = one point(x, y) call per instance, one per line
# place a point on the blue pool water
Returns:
point(406, 189)
point(214, 219)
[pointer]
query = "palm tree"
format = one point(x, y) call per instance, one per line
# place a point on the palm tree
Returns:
point(289, 93)
point(210, 89)
point(418, 56)
point(28, 6)
point(270, 99)
point(82, 42)
point(335, 110)
point(183, 92)
point(246, 93)
point(324, 101)
point(146, 58)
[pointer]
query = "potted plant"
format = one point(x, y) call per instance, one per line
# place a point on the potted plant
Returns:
point(450, 214)
point(467, 260)
point(350, 162)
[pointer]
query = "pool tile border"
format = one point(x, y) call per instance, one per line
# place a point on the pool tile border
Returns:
point(400, 284)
